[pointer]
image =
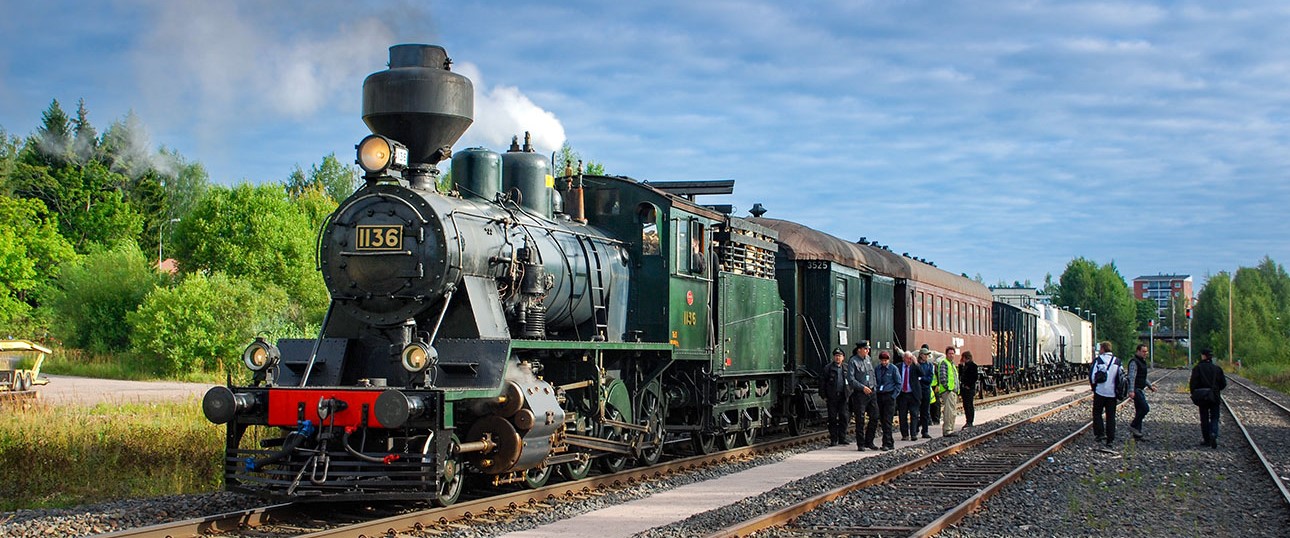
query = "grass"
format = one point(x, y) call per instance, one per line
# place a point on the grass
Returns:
point(60, 456)
point(1271, 375)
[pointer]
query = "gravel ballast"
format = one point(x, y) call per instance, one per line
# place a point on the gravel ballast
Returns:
point(1164, 486)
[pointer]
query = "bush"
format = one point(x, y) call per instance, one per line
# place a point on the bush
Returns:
point(257, 234)
point(204, 323)
point(96, 293)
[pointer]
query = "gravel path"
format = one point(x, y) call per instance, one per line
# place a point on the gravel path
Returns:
point(70, 390)
point(1166, 486)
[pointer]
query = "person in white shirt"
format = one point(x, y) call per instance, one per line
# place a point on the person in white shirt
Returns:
point(1102, 377)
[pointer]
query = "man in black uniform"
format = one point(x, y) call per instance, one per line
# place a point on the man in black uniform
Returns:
point(967, 387)
point(835, 396)
point(1208, 378)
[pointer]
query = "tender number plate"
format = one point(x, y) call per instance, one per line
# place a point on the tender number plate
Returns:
point(375, 237)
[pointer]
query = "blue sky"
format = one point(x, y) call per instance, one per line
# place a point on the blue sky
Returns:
point(1002, 138)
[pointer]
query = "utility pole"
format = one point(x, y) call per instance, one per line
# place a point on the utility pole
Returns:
point(1231, 283)
point(1189, 336)
point(1151, 340)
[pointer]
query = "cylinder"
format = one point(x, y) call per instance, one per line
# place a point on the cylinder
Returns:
point(526, 175)
point(477, 173)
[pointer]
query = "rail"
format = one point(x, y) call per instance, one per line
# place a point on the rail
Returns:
point(787, 514)
point(1249, 437)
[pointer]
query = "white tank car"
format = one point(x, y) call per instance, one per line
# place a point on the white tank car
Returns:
point(1080, 345)
point(1053, 338)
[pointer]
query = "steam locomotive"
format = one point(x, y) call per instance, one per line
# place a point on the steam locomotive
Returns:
point(504, 324)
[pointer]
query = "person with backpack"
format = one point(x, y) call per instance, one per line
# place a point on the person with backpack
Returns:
point(1138, 386)
point(1207, 384)
point(1103, 378)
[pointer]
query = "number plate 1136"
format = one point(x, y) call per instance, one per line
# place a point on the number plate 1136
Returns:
point(376, 237)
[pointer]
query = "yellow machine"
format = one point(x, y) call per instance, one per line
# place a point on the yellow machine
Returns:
point(13, 354)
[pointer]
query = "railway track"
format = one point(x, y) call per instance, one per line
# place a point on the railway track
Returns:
point(296, 520)
point(928, 494)
point(312, 521)
point(1263, 422)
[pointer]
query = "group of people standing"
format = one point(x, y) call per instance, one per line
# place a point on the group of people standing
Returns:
point(924, 388)
point(1206, 384)
point(921, 390)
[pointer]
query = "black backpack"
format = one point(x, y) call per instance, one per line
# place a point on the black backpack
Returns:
point(1121, 382)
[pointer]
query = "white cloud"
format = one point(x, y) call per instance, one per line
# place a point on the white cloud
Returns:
point(503, 112)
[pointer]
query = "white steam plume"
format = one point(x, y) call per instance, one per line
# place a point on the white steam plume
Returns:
point(502, 112)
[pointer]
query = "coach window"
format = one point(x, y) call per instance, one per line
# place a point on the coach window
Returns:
point(647, 216)
point(840, 302)
point(918, 311)
point(938, 316)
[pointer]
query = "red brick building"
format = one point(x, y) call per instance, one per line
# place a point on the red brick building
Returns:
point(1161, 288)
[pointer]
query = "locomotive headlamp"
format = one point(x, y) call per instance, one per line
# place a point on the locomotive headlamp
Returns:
point(376, 154)
point(418, 356)
point(260, 355)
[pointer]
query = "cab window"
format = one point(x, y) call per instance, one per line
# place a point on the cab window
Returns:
point(647, 216)
point(698, 247)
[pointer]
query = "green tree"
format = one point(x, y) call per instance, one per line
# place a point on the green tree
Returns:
point(316, 205)
point(188, 183)
point(338, 179)
point(17, 277)
point(10, 147)
point(31, 250)
point(1258, 299)
point(1174, 317)
point(1101, 290)
point(52, 143)
point(96, 293)
point(1146, 311)
point(203, 324)
point(125, 147)
point(1209, 325)
point(257, 235)
point(335, 178)
point(85, 140)
point(568, 156)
